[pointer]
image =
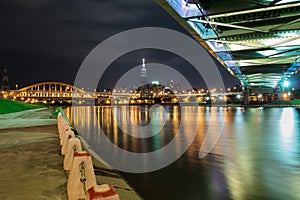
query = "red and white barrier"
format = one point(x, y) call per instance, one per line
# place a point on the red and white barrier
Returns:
point(65, 138)
point(75, 187)
point(102, 192)
point(69, 156)
point(82, 181)
point(64, 129)
point(61, 122)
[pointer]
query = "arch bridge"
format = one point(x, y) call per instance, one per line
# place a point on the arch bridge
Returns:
point(51, 91)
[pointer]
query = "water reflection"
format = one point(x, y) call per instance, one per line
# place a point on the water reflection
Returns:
point(287, 126)
point(257, 156)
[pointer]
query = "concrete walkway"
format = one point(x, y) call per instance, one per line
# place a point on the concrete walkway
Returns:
point(31, 164)
point(28, 118)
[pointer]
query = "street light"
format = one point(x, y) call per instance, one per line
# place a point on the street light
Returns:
point(286, 83)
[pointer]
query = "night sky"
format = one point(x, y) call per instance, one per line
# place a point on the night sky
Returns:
point(47, 40)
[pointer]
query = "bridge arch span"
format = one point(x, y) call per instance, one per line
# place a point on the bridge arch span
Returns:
point(49, 86)
point(50, 90)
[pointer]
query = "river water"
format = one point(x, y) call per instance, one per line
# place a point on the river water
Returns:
point(257, 155)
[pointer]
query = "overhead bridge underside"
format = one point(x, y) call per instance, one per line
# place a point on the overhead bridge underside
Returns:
point(257, 41)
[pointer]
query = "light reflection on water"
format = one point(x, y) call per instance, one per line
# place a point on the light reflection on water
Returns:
point(257, 156)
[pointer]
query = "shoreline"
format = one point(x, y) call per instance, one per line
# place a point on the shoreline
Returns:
point(201, 105)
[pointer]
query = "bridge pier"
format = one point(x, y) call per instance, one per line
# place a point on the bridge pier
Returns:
point(280, 95)
point(246, 96)
point(262, 94)
point(273, 97)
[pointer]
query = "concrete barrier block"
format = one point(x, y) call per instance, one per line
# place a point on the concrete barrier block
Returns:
point(64, 129)
point(69, 156)
point(60, 125)
point(102, 192)
point(64, 141)
point(75, 187)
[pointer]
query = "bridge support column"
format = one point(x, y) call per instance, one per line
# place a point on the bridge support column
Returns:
point(279, 96)
point(273, 97)
point(246, 96)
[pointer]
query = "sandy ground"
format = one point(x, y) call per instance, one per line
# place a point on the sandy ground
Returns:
point(31, 165)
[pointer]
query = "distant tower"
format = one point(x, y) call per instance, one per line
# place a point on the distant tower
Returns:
point(5, 83)
point(143, 74)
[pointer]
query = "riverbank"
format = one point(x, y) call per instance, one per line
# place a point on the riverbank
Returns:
point(31, 164)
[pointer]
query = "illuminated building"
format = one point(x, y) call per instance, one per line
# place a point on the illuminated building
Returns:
point(143, 74)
